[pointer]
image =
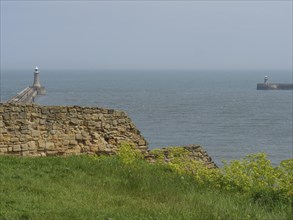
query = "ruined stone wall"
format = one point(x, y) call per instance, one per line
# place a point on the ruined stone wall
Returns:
point(195, 152)
point(62, 130)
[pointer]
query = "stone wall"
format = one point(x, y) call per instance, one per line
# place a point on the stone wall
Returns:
point(195, 152)
point(62, 130)
point(33, 130)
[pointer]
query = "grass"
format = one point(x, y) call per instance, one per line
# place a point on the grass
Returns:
point(83, 187)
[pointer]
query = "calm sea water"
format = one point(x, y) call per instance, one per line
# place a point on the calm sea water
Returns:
point(222, 111)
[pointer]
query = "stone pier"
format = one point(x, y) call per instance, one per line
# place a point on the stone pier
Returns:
point(29, 94)
point(273, 86)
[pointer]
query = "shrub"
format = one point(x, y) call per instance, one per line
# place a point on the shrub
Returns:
point(253, 176)
point(285, 177)
point(178, 160)
point(128, 154)
point(256, 176)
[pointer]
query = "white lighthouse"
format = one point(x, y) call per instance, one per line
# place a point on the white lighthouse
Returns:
point(266, 79)
point(37, 85)
point(36, 78)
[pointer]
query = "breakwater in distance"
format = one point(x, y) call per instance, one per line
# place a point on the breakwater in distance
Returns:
point(274, 86)
point(34, 130)
point(27, 95)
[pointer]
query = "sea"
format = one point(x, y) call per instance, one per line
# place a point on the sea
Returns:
point(220, 110)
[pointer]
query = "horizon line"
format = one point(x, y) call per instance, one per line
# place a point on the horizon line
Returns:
point(125, 69)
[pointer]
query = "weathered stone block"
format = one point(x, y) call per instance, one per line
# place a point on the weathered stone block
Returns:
point(65, 142)
point(56, 126)
point(72, 110)
point(92, 123)
point(24, 147)
point(74, 121)
point(45, 111)
point(41, 144)
point(85, 134)
point(25, 131)
point(53, 132)
point(98, 125)
point(35, 133)
point(78, 137)
point(54, 110)
point(70, 136)
point(95, 117)
point(61, 116)
point(11, 129)
point(24, 127)
point(35, 115)
point(16, 148)
point(15, 109)
point(107, 126)
point(141, 142)
point(88, 111)
point(14, 139)
point(25, 153)
point(4, 150)
point(42, 154)
point(42, 121)
point(143, 148)
point(87, 116)
point(51, 116)
point(51, 153)
point(31, 145)
point(114, 123)
point(73, 142)
point(100, 116)
point(111, 111)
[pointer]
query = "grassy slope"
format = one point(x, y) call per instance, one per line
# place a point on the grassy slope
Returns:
point(85, 188)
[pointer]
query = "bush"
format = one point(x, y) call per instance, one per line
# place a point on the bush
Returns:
point(254, 175)
point(128, 154)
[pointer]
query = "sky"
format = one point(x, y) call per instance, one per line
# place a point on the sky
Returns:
point(146, 35)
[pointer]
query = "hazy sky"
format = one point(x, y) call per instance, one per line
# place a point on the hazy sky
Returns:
point(146, 35)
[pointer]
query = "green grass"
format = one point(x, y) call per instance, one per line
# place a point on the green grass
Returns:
point(83, 187)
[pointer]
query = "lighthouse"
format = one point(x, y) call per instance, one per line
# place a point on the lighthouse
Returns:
point(36, 78)
point(37, 85)
point(266, 79)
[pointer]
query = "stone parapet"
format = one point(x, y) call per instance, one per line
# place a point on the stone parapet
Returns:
point(30, 129)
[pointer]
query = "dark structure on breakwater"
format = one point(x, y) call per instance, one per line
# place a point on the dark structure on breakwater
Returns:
point(273, 86)
point(28, 95)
